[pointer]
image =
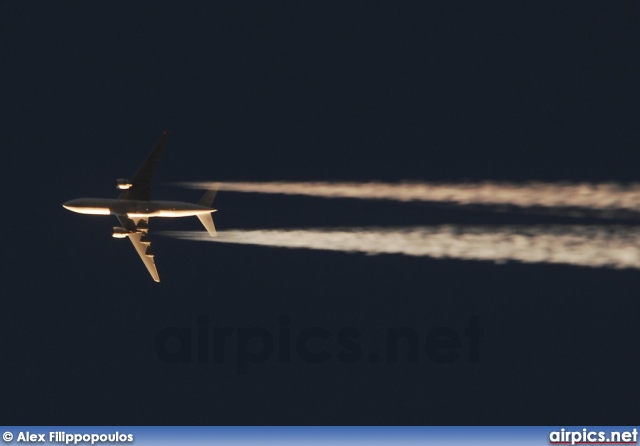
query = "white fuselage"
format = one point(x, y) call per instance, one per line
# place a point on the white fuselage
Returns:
point(135, 208)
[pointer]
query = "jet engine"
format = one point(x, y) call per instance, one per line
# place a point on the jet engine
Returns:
point(119, 232)
point(123, 183)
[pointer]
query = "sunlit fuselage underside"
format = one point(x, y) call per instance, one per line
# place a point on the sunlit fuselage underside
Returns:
point(135, 208)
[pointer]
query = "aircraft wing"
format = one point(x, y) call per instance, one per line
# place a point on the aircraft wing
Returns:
point(140, 240)
point(141, 181)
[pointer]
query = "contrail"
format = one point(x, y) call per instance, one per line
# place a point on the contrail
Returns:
point(591, 246)
point(593, 196)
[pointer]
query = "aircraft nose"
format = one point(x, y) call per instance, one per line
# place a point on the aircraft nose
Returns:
point(69, 204)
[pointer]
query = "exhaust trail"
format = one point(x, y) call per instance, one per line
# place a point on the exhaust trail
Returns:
point(589, 246)
point(592, 196)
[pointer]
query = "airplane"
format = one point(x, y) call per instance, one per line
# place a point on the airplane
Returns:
point(134, 208)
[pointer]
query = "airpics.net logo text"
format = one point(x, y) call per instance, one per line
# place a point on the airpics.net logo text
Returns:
point(590, 436)
point(247, 346)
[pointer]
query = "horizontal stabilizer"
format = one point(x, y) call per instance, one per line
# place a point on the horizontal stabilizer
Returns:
point(207, 198)
point(207, 222)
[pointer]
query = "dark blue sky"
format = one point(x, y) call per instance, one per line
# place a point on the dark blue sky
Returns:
point(353, 91)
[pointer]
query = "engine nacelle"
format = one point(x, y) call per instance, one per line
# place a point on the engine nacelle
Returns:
point(119, 232)
point(123, 183)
